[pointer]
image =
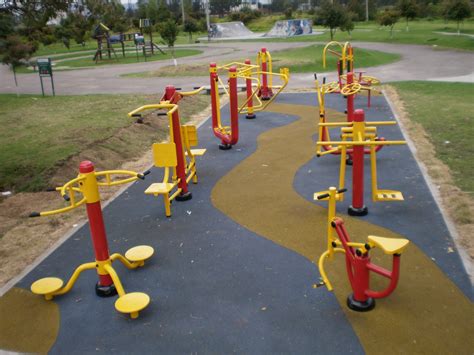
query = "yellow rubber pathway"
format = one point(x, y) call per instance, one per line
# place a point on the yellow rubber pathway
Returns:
point(427, 314)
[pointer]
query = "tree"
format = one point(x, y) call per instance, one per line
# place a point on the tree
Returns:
point(389, 18)
point(169, 31)
point(190, 26)
point(220, 7)
point(331, 16)
point(408, 9)
point(347, 24)
point(456, 10)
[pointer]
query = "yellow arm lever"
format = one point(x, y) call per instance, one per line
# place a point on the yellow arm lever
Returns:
point(190, 93)
point(171, 107)
point(109, 182)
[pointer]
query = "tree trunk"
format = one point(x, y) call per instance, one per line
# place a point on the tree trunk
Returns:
point(407, 25)
point(459, 31)
point(16, 82)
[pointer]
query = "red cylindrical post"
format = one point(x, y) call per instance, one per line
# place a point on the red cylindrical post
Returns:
point(358, 208)
point(248, 84)
point(359, 301)
point(181, 163)
point(105, 286)
point(234, 105)
point(213, 84)
point(350, 99)
point(265, 93)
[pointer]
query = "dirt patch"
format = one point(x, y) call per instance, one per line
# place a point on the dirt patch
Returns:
point(23, 239)
point(458, 204)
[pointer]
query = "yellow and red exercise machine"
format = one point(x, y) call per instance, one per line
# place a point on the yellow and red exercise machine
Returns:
point(345, 63)
point(349, 90)
point(177, 153)
point(357, 135)
point(87, 184)
point(259, 87)
point(358, 263)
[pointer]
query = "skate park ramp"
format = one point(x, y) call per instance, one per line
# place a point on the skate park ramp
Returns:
point(227, 30)
point(290, 28)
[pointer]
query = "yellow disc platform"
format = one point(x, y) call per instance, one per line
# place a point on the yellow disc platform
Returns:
point(132, 303)
point(139, 253)
point(46, 285)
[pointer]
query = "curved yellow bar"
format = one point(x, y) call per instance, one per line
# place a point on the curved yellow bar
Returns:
point(332, 43)
point(190, 93)
point(74, 277)
point(171, 107)
point(109, 182)
point(322, 258)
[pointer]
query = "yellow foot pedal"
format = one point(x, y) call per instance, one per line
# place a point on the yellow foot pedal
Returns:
point(132, 303)
point(197, 152)
point(388, 195)
point(139, 254)
point(47, 286)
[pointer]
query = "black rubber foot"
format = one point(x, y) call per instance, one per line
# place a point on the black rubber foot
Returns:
point(251, 117)
point(349, 161)
point(266, 98)
point(363, 211)
point(184, 197)
point(105, 291)
point(223, 146)
point(358, 306)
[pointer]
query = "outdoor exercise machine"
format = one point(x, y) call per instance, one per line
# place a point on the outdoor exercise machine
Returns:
point(357, 135)
point(251, 74)
point(177, 153)
point(87, 184)
point(349, 90)
point(358, 263)
point(345, 64)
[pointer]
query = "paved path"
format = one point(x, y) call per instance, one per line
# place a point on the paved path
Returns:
point(417, 63)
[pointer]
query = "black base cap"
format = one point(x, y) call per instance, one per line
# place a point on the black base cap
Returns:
point(359, 306)
point(250, 117)
point(349, 161)
point(266, 98)
point(105, 291)
point(224, 146)
point(184, 196)
point(363, 211)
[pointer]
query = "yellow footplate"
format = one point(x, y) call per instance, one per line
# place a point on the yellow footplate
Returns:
point(47, 286)
point(388, 195)
point(132, 303)
point(197, 152)
point(139, 253)
point(159, 188)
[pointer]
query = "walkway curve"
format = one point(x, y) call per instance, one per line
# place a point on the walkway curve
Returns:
point(417, 63)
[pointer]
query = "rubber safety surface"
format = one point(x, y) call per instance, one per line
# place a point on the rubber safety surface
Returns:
point(233, 267)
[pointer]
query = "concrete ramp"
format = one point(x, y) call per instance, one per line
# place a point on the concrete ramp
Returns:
point(230, 30)
point(289, 28)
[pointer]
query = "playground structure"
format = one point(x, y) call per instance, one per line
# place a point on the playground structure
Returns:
point(177, 154)
point(105, 42)
point(358, 263)
point(87, 184)
point(259, 87)
point(357, 135)
point(349, 91)
point(345, 63)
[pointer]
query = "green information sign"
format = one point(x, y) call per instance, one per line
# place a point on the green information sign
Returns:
point(45, 68)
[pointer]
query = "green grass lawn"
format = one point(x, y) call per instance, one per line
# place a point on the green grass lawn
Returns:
point(420, 32)
point(446, 112)
point(299, 60)
point(38, 135)
point(130, 57)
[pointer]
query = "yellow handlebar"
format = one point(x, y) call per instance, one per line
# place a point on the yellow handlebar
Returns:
point(190, 93)
point(170, 107)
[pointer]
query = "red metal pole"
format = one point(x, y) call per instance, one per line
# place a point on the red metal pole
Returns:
point(359, 301)
point(181, 163)
point(265, 91)
point(248, 82)
point(105, 286)
point(213, 83)
point(358, 208)
point(350, 99)
point(234, 105)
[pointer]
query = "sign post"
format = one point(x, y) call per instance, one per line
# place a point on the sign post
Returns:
point(45, 69)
